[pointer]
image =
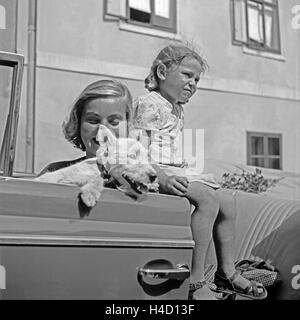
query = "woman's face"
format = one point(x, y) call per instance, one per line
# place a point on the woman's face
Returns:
point(110, 112)
point(180, 81)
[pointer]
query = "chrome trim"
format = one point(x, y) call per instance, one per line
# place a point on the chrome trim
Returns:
point(179, 273)
point(22, 239)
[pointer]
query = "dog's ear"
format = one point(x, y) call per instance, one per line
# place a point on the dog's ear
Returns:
point(105, 136)
point(107, 141)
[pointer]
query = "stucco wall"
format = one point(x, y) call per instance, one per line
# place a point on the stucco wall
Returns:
point(240, 92)
point(75, 29)
point(225, 117)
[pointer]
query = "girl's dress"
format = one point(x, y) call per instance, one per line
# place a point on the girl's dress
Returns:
point(159, 126)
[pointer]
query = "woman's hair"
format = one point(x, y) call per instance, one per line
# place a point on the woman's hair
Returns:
point(170, 55)
point(98, 89)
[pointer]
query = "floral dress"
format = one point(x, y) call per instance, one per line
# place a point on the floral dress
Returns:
point(159, 127)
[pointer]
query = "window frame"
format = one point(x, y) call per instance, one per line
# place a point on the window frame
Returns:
point(121, 11)
point(266, 156)
point(151, 25)
point(247, 41)
point(8, 144)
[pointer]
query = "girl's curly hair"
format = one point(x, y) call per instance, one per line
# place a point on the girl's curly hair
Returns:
point(98, 89)
point(170, 55)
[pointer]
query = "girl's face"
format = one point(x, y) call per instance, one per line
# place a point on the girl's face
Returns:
point(111, 112)
point(180, 81)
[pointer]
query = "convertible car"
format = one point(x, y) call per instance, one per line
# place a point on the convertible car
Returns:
point(51, 247)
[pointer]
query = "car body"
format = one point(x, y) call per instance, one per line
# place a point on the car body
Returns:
point(52, 248)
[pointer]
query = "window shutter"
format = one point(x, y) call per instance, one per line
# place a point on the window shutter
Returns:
point(272, 32)
point(116, 8)
point(164, 14)
point(239, 33)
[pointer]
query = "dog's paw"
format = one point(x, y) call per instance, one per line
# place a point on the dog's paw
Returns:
point(88, 198)
point(90, 194)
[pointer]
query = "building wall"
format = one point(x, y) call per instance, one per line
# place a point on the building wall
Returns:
point(241, 92)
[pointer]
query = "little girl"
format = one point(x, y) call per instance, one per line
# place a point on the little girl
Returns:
point(172, 82)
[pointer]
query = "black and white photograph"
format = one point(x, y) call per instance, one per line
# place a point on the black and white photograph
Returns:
point(150, 151)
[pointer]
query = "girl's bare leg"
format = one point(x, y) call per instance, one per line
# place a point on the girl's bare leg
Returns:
point(224, 231)
point(203, 218)
point(214, 216)
point(224, 237)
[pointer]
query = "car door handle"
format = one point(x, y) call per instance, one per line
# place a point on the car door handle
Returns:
point(180, 272)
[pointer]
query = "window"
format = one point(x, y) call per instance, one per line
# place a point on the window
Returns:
point(11, 70)
point(255, 23)
point(264, 150)
point(158, 14)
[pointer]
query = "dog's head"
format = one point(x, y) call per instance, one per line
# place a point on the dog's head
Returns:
point(130, 155)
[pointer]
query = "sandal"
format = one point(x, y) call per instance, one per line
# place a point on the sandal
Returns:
point(227, 285)
point(195, 286)
point(199, 285)
point(211, 289)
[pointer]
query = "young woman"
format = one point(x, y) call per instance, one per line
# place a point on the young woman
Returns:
point(106, 102)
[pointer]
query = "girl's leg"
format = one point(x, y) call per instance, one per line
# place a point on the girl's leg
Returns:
point(202, 221)
point(224, 238)
point(224, 231)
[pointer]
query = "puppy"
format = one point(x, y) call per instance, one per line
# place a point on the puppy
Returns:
point(124, 155)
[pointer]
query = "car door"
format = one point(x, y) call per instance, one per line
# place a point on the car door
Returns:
point(52, 247)
point(11, 71)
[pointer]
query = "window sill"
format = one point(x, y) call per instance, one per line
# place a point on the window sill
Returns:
point(263, 54)
point(148, 31)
